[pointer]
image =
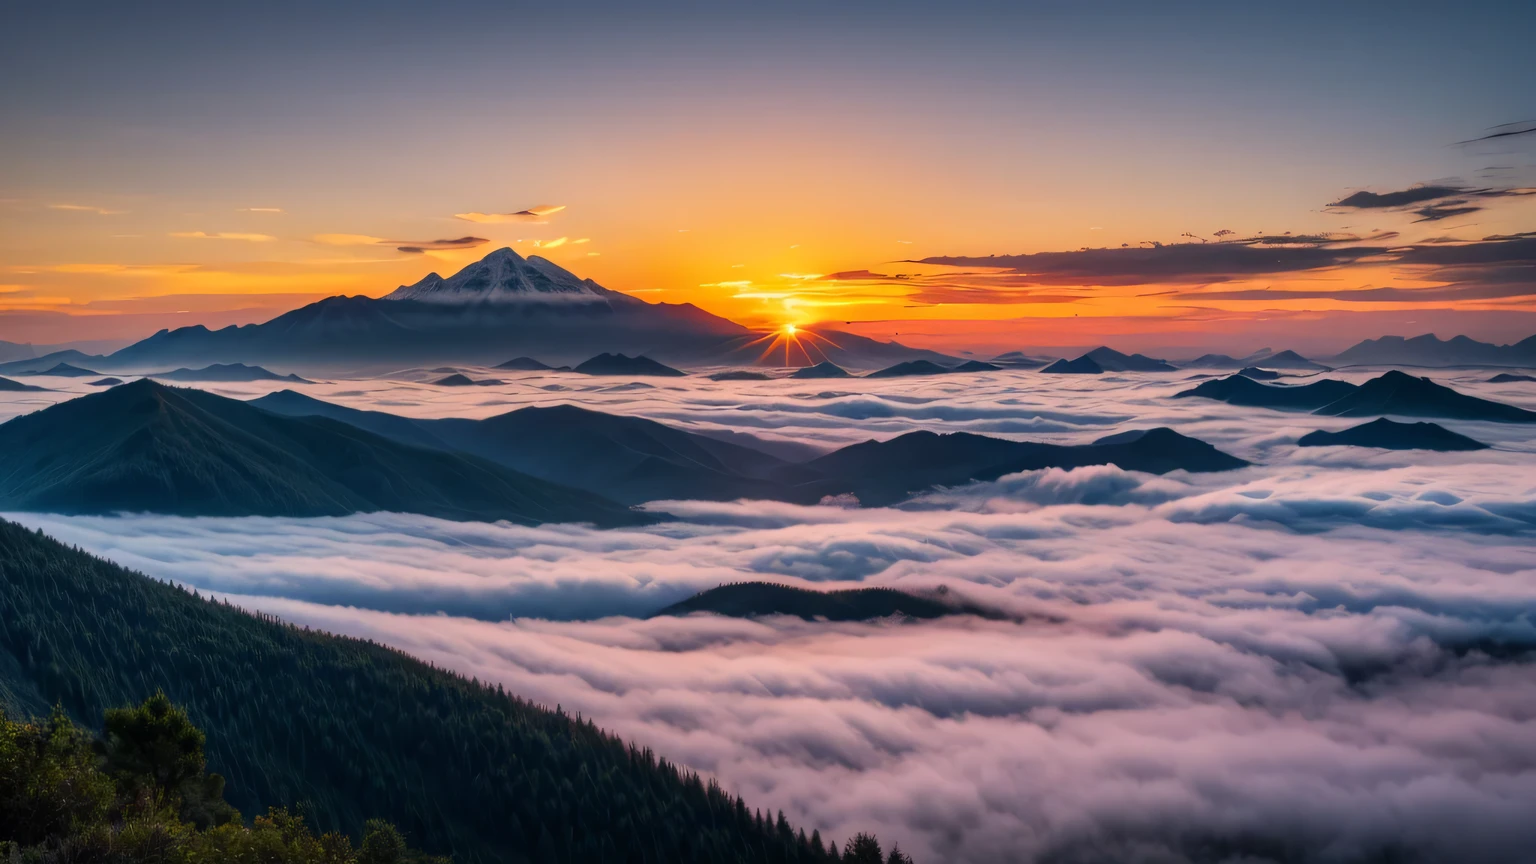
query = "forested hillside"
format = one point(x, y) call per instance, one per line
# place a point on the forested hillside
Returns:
point(348, 730)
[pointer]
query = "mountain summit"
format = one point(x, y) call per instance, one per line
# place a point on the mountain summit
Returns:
point(505, 277)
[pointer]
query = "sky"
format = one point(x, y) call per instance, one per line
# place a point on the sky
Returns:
point(858, 164)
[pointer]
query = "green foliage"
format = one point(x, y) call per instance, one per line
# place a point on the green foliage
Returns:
point(60, 803)
point(345, 729)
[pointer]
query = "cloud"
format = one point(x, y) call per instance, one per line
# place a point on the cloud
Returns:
point(1325, 656)
point(1448, 201)
point(84, 208)
point(537, 214)
point(1508, 130)
point(349, 240)
point(417, 246)
point(261, 209)
point(223, 235)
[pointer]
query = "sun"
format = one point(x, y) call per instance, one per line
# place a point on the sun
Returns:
point(790, 329)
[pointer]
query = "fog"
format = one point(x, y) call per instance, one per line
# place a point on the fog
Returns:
point(1322, 657)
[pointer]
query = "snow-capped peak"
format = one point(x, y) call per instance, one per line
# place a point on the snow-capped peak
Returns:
point(504, 277)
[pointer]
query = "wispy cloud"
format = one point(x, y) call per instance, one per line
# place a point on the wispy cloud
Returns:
point(261, 209)
point(349, 240)
point(86, 208)
point(538, 213)
point(223, 235)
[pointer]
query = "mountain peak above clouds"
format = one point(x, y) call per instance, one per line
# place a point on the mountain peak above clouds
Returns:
point(504, 277)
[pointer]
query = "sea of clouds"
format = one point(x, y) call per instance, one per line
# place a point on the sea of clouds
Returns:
point(1322, 657)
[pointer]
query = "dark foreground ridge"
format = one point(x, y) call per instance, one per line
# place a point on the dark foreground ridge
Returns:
point(755, 599)
point(357, 730)
point(1391, 435)
point(147, 447)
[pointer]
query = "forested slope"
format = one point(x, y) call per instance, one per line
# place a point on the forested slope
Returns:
point(349, 730)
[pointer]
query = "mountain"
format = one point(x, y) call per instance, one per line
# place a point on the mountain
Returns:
point(354, 729)
point(1258, 374)
point(8, 385)
point(1284, 360)
point(911, 367)
point(628, 459)
point(32, 366)
point(1391, 435)
point(1020, 360)
point(756, 599)
point(1111, 360)
point(1241, 390)
point(884, 472)
point(618, 364)
point(740, 375)
point(824, 369)
point(107, 382)
point(226, 372)
point(11, 351)
point(976, 366)
point(1264, 357)
point(1429, 350)
point(1408, 396)
point(145, 446)
point(1083, 365)
point(458, 380)
point(64, 370)
point(525, 364)
point(632, 460)
point(1506, 378)
point(504, 301)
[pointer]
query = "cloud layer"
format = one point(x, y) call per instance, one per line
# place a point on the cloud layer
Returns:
point(1323, 657)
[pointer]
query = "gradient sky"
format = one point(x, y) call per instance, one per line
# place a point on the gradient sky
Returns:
point(178, 163)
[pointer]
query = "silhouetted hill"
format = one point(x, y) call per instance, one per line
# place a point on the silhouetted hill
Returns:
point(226, 372)
point(1429, 350)
point(976, 366)
point(911, 367)
point(35, 365)
point(618, 364)
point(525, 364)
point(1408, 396)
point(7, 384)
point(628, 459)
point(148, 447)
point(883, 472)
point(755, 599)
point(1391, 435)
point(459, 380)
point(1020, 360)
point(107, 382)
point(1083, 365)
point(1241, 390)
point(1507, 378)
point(1263, 358)
point(740, 375)
point(1111, 360)
point(64, 370)
point(1258, 374)
point(354, 729)
point(825, 369)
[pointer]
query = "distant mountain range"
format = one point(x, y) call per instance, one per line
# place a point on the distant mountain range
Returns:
point(1391, 435)
point(1393, 392)
point(225, 372)
point(502, 301)
point(1105, 359)
point(1429, 350)
point(147, 447)
point(632, 460)
point(1264, 358)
